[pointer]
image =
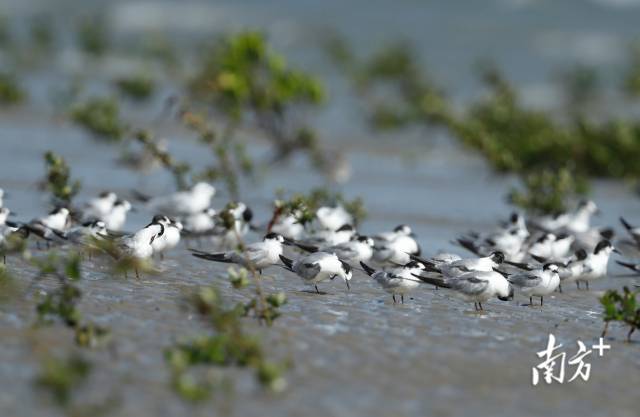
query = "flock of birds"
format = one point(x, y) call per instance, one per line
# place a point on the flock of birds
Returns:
point(534, 256)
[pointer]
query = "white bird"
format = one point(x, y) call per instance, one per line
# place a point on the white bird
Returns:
point(46, 227)
point(326, 238)
point(171, 236)
point(358, 249)
point(139, 244)
point(595, 265)
point(289, 227)
point(400, 280)
point(318, 267)
point(116, 218)
point(333, 218)
point(576, 221)
point(199, 223)
point(85, 233)
point(538, 282)
point(258, 255)
point(181, 203)
point(476, 286)
point(396, 247)
point(57, 219)
point(97, 208)
point(463, 266)
point(400, 230)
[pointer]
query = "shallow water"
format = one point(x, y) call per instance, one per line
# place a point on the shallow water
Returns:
point(354, 353)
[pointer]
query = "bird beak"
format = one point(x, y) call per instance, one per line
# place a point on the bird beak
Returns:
point(288, 242)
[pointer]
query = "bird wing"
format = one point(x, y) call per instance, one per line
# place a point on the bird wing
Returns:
point(469, 286)
point(525, 280)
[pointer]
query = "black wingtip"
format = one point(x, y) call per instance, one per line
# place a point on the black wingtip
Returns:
point(468, 245)
point(540, 259)
point(215, 257)
point(286, 261)
point(306, 248)
point(370, 271)
point(629, 265)
point(625, 224)
point(433, 281)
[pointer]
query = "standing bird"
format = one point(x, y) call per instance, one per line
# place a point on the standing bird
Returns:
point(396, 247)
point(595, 265)
point(318, 267)
point(332, 218)
point(476, 286)
point(258, 255)
point(537, 282)
point(46, 226)
point(84, 234)
point(358, 249)
point(399, 280)
point(139, 245)
point(97, 208)
point(463, 266)
point(181, 203)
point(171, 236)
point(117, 216)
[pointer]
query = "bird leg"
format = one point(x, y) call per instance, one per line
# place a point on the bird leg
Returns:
point(480, 305)
point(394, 298)
point(348, 286)
point(137, 274)
point(402, 298)
point(587, 283)
point(560, 288)
point(317, 290)
point(541, 301)
point(4, 259)
point(475, 305)
point(530, 301)
point(578, 284)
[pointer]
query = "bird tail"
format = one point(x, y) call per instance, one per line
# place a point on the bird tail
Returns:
point(370, 271)
point(305, 247)
point(215, 257)
point(628, 265)
point(433, 281)
point(287, 262)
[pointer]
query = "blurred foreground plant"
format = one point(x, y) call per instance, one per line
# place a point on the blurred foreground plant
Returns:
point(60, 376)
point(61, 303)
point(229, 346)
point(10, 91)
point(621, 307)
point(244, 81)
point(101, 117)
point(58, 179)
point(513, 138)
point(138, 87)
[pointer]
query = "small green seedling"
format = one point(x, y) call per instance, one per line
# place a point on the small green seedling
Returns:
point(621, 307)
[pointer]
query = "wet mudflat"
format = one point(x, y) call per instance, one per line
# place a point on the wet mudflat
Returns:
point(353, 352)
